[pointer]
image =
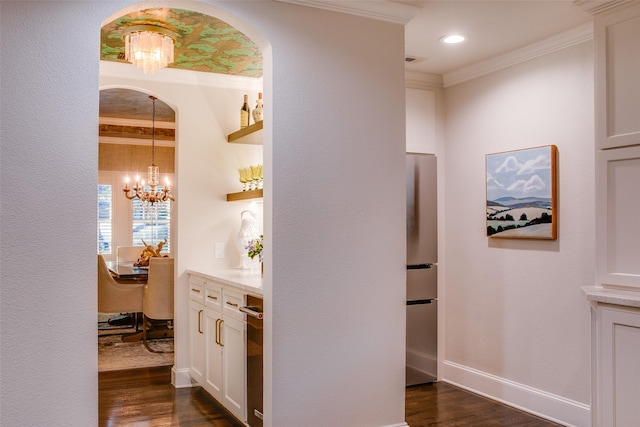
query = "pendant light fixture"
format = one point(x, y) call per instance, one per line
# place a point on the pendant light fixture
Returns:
point(153, 172)
point(149, 47)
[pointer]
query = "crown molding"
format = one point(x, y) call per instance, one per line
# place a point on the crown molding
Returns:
point(419, 80)
point(560, 41)
point(598, 6)
point(382, 10)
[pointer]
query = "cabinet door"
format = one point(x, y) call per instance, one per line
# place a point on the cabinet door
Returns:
point(617, 78)
point(213, 344)
point(619, 372)
point(196, 341)
point(235, 383)
point(617, 207)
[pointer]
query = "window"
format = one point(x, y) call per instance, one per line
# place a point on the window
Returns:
point(105, 225)
point(152, 223)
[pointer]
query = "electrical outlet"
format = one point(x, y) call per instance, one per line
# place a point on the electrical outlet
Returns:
point(219, 250)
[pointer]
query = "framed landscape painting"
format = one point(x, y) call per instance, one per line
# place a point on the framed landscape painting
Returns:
point(522, 193)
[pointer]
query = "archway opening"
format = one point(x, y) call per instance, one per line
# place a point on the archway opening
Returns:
point(206, 92)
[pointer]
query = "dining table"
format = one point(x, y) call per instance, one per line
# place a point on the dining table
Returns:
point(127, 272)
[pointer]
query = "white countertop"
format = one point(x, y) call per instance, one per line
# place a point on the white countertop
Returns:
point(612, 296)
point(249, 281)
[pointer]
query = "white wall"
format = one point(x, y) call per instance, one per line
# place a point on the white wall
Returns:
point(334, 211)
point(49, 167)
point(516, 321)
point(335, 261)
point(421, 120)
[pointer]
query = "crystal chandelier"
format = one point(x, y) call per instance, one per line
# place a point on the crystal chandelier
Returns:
point(152, 196)
point(149, 47)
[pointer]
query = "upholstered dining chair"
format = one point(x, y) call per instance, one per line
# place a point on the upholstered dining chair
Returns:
point(114, 297)
point(157, 298)
point(129, 253)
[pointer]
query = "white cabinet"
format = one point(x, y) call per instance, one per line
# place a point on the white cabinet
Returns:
point(214, 380)
point(234, 366)
point(617, 83)
point(617, 207)
point(218, 343)
point(617, 36)
point(617, 336)
point(196, 330)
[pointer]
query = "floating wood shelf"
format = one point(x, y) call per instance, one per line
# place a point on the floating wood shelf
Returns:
point(245, 195)
point(252, 134)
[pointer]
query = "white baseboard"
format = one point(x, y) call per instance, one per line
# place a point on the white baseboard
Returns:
point(180, 378)
point(546, 405)
point(397, 425)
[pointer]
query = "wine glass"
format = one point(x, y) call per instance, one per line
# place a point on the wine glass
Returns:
point(243, 178)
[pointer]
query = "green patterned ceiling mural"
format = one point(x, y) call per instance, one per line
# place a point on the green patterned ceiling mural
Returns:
point(203, 43)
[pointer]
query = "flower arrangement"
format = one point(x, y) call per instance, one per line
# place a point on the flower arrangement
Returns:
point(254, 248)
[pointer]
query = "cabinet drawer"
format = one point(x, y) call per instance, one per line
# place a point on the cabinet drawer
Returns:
point(196, 290)
point(213, 296)
point(231, 303)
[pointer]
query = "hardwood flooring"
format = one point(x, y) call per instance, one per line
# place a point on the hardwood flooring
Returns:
point(145, 397)
point(441, 404)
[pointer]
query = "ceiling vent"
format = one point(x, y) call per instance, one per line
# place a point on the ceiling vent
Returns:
point(410, 59)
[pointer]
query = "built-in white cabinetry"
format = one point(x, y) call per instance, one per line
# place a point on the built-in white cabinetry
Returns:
point(617, 36)
point(218, 343)
point(619, 370)
point(196, 331)
point(616, 346)
point(617, 213)
point(616, 297)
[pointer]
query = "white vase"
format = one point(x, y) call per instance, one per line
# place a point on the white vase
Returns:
point(249, 230)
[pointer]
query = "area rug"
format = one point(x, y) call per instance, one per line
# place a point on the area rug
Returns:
point(114, 354)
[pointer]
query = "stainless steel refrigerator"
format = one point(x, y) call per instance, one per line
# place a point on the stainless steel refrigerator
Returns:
point(422, 269)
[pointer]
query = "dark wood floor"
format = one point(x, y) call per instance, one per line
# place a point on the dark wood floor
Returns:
point(441, 404)
point(146, 397)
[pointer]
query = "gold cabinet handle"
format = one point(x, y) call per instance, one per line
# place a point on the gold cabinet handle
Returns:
point(220, 329)
point(232, 304)
point(197, 291)
point(200, 321)
point(212, 297)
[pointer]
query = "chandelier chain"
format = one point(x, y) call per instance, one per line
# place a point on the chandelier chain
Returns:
point(153, 172)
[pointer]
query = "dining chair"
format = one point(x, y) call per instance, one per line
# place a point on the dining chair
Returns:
point(157, 299)
point(129, 253)
point(114, 297)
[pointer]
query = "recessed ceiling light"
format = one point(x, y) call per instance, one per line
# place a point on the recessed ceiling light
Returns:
point(453, 39)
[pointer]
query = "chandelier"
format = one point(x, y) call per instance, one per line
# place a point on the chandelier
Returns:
point(153, 172)
point(149, 47)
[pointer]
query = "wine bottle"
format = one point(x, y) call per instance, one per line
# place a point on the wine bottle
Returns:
point(257, 112)
point(244, 113)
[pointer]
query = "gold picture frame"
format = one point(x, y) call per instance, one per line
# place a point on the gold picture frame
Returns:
point(522, 193)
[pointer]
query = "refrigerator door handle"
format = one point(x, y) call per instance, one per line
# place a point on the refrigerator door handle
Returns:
point(418, 266)
point(419, 301)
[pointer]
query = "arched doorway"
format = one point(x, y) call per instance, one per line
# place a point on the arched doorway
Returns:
point(134, 132)
point(207, 100)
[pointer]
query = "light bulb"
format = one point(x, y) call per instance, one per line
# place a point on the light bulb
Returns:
point(453, 39)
